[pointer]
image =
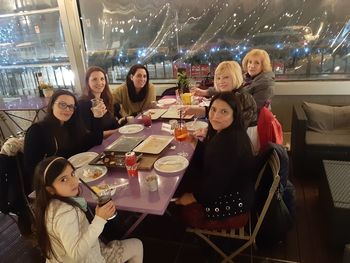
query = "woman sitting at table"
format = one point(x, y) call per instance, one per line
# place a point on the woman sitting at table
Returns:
point(61, 132)
point(224, 191)
point(96, 86)
point(227, 77)
point(136, 94)
point(259, 79)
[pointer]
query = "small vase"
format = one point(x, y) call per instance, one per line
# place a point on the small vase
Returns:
point(47, 93)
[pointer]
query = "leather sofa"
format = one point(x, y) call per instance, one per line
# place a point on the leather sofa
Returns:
point(319, 132)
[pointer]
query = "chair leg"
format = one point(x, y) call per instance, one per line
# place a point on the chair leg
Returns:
point(215, 247)
point(238, 251)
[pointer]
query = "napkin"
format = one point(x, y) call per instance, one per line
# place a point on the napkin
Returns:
point(166, 127)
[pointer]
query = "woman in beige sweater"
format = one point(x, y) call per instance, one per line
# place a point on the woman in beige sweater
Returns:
point(136, 94)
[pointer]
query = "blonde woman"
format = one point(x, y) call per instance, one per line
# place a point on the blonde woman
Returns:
point(227, 77)
point(259, 80)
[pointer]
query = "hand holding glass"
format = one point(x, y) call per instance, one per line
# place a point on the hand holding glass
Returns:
point(104, 197)
point(98, 107)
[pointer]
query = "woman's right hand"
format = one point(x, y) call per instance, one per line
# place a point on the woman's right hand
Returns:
point(199, 92)
point(106, 211)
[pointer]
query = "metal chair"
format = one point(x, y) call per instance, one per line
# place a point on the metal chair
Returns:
point(249, 232)
point(13, 198)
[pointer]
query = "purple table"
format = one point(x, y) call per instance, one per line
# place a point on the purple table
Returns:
point(136, 197)
point(7, 106)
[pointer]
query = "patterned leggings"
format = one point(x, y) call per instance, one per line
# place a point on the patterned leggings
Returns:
point(117, 251)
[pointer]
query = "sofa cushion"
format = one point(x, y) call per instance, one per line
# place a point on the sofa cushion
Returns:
point(326, 118)
point(338, 138)
point(342, 118)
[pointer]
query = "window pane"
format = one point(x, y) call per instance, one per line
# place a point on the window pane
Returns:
point(305, 39)
point(31, 44)
point(15, 6)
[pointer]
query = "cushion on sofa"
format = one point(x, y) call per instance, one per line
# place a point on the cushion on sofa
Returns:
point(323, 118)
point(342, 118)
point(338, 138)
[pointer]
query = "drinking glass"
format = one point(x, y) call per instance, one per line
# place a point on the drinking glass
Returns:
point(104, 196)
point(181, 134)
point(147, 119)
point(96, 107)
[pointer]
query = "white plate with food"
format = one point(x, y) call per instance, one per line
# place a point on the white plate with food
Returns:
point(90, 173)
point(131, 128)
point(171, 164)
point(82, 159)
point(196, 125)
point(167, 101)
point(154, 144)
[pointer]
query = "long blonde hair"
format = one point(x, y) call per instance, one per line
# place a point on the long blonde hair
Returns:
point(234, 69)
point(265, 59)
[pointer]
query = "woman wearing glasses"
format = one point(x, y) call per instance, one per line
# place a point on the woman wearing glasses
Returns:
point(60, 133)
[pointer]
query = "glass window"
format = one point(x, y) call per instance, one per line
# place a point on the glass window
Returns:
point(305, 39)
point(30, 44)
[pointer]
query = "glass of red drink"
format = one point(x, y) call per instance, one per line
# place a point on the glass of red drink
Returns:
point(147, 120)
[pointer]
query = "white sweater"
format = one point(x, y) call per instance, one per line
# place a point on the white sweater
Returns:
point(72, 237)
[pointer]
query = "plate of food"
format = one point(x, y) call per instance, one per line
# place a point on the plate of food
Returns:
point(171, 164)
point(131, 128)
point(167, 101)
point(82, 159)
point(154, 144)
point(196, 125)
point(90, 173)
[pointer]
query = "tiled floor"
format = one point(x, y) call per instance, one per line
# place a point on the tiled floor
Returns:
point(166, 241)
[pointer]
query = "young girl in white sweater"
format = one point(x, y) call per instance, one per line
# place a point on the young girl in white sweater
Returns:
point(64, 233)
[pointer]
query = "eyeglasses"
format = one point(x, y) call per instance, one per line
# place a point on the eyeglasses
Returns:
point(62, 105)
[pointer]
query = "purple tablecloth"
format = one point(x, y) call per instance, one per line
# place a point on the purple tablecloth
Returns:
point(135, 196)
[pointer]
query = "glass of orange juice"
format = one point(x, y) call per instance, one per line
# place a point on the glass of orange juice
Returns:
point(181, 134)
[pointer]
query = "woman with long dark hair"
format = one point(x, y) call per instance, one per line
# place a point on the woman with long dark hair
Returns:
point(63, 230)
point(96, 87)
point(136, 94)
point(224, 189)
point(61, 132)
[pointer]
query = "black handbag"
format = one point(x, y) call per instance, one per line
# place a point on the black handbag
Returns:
point(277, 222)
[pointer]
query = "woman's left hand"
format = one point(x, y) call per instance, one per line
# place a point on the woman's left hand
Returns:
point(100, 110)
point(186, 199)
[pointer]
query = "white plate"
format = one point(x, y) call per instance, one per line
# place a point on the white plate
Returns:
point(81, 159)
point(171, 164)
point(154, 144)
point(167, 101)
point(91, 173)
point(131, 128)
point(193, 126)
